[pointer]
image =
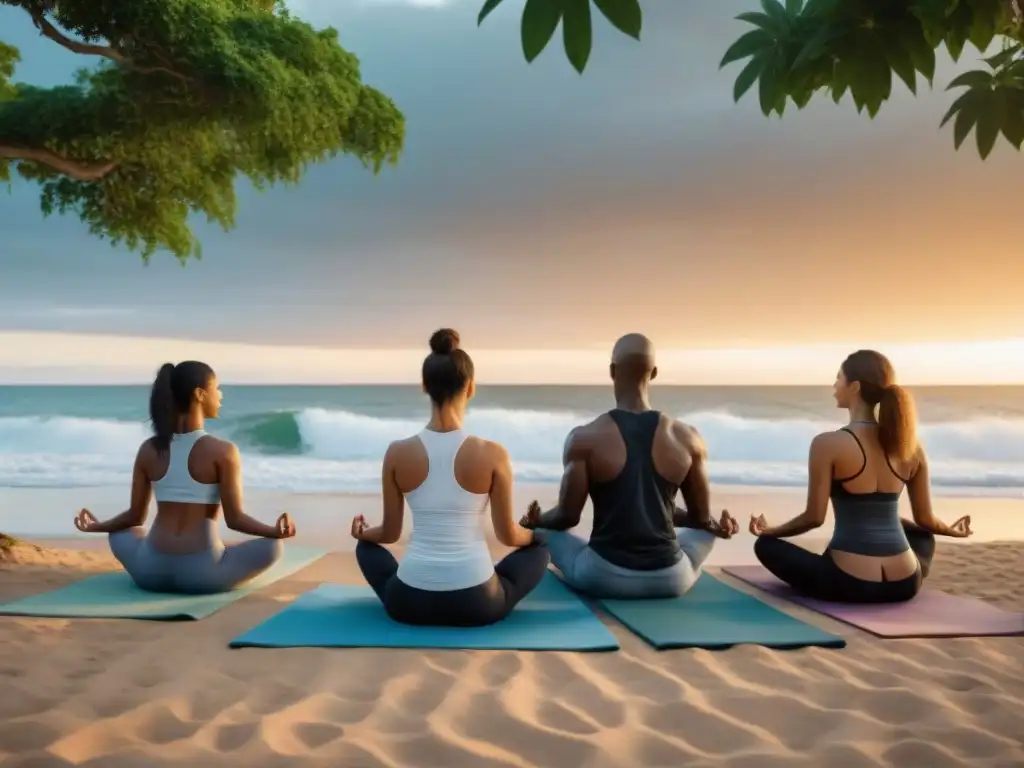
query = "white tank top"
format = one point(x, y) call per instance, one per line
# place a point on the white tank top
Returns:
point(178, 484)
point(447, 549)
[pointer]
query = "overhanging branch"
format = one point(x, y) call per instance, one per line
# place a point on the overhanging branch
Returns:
point(90, 49)
point(72, 168)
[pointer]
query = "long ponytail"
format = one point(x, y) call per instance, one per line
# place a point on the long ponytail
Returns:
point(162, 411)
point(897, 423)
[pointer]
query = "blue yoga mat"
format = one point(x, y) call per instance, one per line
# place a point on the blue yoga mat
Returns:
point(714, 615)
point(551, 618)
point(115, 596)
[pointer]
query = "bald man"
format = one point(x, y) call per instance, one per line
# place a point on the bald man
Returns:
point(631, 462)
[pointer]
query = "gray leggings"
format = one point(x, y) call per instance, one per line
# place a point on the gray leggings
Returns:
point(219, 568)
point(586, 571)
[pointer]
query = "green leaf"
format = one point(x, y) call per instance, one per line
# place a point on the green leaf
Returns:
point(966, 117)
point(921, 53)
point(577, 32)
point(776, 11)
point(817, 45)
point(768, 88)
point(759, 20)
point(793, 7)
point(1004, 57)
point(963, 100)
point(540, 19)
point(625, 15)
point(902, 63)
point(983, 27)
point(750, 43)
point(748, 76)
point(489, 6)
point(1013, 120)
point(955, 39)
point(976, 78)
point(990, 119)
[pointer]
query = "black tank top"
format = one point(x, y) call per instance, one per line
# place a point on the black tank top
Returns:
point(633, 513)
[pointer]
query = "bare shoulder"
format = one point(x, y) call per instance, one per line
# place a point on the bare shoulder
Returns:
point(220, 450)
point(400, 449)
point(686, 435)
point(584, 433)
point(493, 453)
point(829, 442)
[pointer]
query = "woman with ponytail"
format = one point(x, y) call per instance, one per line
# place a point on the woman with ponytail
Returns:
point(192, 475)
point(874, 556)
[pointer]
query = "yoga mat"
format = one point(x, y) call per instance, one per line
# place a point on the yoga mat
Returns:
point(930, 614)
point(115, 596)
point(551, 618)
point(714, 615)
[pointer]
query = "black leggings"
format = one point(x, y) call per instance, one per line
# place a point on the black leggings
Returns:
point(514, 578)
point(819, 577)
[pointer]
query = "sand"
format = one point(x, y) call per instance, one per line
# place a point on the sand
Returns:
point(150, 694)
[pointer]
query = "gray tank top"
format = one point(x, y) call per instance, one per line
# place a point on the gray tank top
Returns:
point(867, 523)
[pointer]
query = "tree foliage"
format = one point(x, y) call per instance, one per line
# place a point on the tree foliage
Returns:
point(793, 50)
point(179, 98)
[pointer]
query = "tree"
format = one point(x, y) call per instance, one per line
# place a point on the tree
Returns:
point(795, 50)
point(180, 98)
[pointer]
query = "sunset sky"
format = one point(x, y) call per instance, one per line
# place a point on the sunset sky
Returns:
point(543, 214)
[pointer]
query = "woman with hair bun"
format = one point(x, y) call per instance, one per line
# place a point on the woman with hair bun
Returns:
point(874, 556)
point(192, 475)
point(448, 478)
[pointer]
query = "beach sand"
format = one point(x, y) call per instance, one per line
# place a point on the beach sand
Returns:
point(150, 694)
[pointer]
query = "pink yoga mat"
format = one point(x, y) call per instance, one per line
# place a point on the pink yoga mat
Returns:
point(930, 614)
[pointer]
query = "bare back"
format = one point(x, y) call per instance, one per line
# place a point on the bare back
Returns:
point(869, 472)
point(183, 527)
point(672, 452)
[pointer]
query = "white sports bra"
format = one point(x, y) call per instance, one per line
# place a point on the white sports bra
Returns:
point(178, 484)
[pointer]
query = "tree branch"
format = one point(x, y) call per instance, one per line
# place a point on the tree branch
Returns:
point(89, 49)
point(72, 168)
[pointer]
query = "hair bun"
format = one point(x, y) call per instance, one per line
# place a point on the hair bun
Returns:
point(444, 341)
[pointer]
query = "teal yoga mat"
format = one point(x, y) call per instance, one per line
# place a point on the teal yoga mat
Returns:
point(551, 618)
point(714, 615)
point(115, 596)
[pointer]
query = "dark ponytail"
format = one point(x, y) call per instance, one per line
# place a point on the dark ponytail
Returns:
point(897, 419)
point(172, 395)
point(162, 412)
point(897, 423)
point(447, 369)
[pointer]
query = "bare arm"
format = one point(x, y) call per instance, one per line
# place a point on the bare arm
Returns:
point(390, 529)
point(819, 485)
point(506, 529)
point(142, 493)
point(229, 475)
point(696, 487)
point(920, 493)
point(575, 487)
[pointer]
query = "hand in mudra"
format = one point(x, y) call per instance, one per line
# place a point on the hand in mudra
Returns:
point(85, 522)
point(725, 527)
point(758, 525)
point(358, 527)
point(961, 529)
point(531, 519)
point(284, 526)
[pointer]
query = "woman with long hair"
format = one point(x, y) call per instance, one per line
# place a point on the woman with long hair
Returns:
point(448, 478)
point(192, 475)
point(874, 556)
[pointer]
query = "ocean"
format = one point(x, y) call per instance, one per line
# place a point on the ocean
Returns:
point(331, 439)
